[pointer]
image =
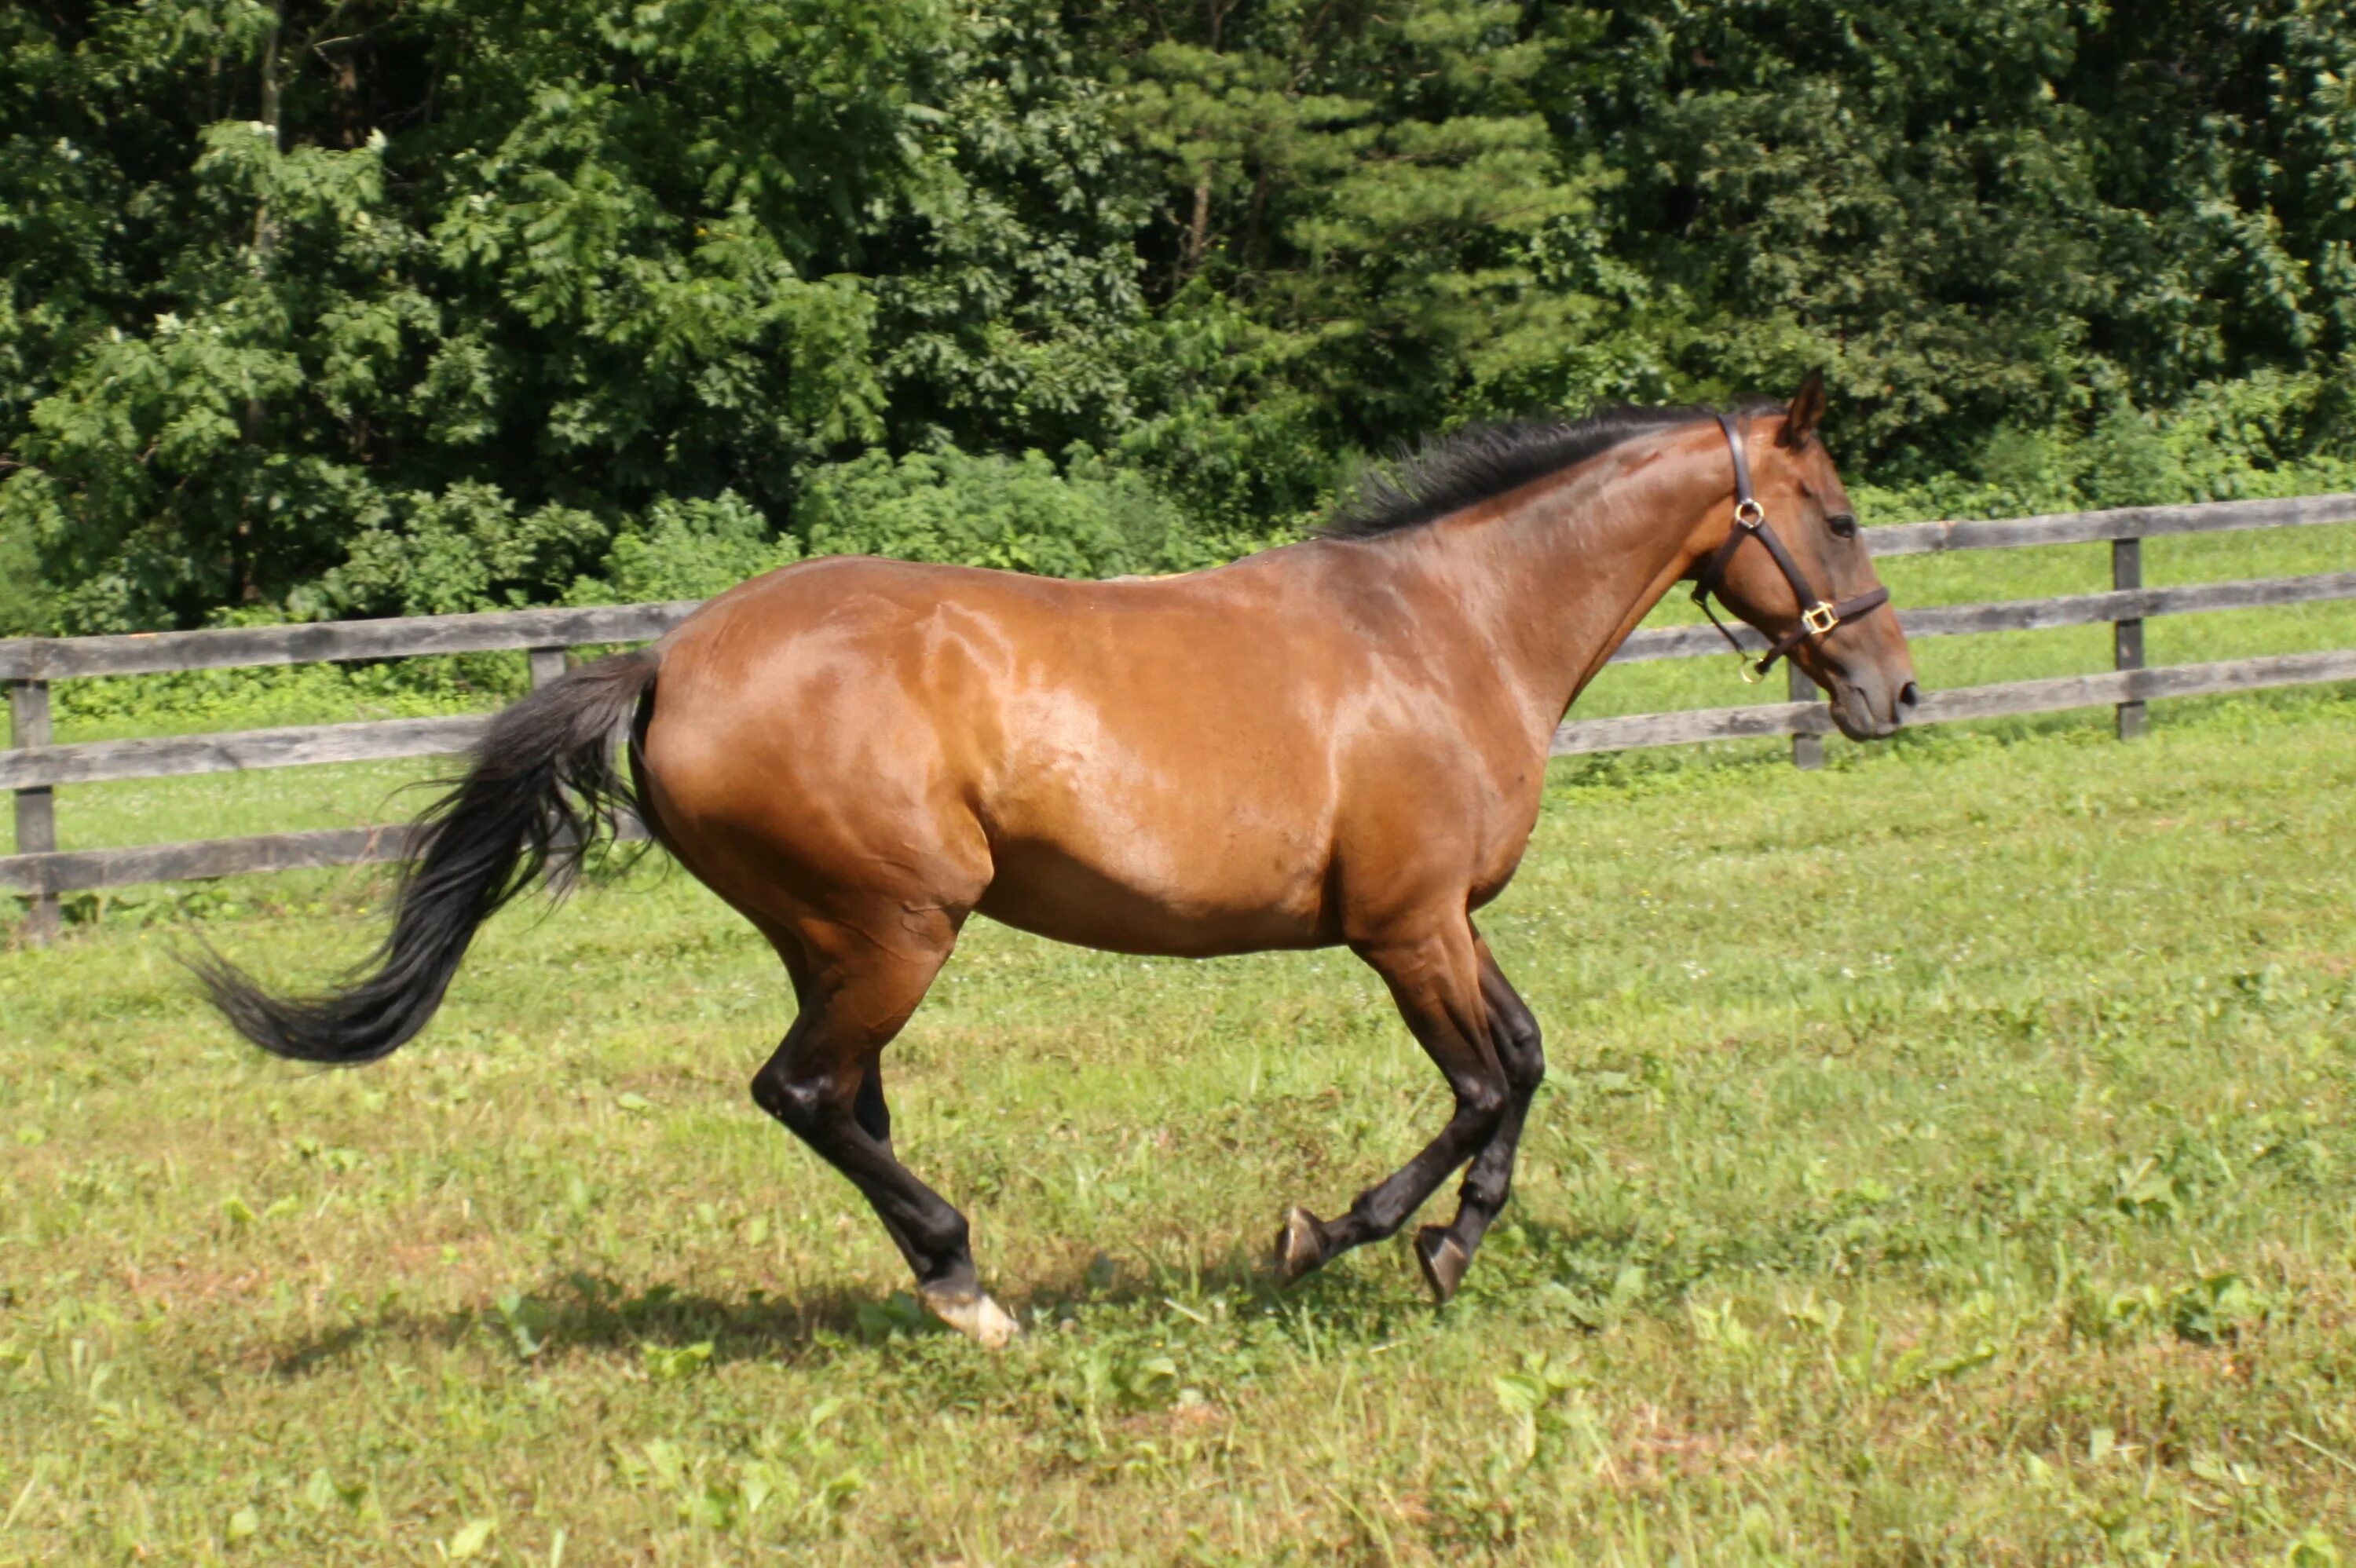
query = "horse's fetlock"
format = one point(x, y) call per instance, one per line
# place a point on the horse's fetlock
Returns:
point(1485, 1195)
point(953, 1239)
point(952, 1276)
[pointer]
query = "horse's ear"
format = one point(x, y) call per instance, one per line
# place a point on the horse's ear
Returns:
point(1804, 412)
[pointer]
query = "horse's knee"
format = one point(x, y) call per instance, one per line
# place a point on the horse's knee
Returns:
point(1522, 1056)
point(1481, 1099)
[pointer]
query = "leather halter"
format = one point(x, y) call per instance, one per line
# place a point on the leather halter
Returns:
point(1818, 616)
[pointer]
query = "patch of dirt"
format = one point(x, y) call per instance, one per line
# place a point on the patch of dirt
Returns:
point(1650, 1445)
point(181, 1284)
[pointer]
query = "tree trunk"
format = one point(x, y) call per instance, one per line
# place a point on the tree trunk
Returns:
point(265, 240)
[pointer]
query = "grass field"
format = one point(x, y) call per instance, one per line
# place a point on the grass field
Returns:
point(1948, 1158)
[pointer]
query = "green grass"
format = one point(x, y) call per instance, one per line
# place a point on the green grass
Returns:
point(1947, 1157)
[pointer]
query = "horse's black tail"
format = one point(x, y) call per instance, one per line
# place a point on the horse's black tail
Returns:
point(542, 785)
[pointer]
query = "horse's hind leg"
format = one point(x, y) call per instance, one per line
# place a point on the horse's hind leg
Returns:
point(1435, 978)
point(869, 1108)
point(857, 996)
point(873, 1116)
point(1446, 1252)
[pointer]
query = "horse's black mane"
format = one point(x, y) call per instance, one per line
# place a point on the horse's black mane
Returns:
point(1452, 472)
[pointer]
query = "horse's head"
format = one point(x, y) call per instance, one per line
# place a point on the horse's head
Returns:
point(1794, 566)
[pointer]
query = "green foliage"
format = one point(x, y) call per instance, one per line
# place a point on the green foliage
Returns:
point(686, 549)
point(597, 270)
point(1374, 183)
point(1978, 214)
point(465, 548)
point(1018, 515)
point(2225, 440)
point(332, 307)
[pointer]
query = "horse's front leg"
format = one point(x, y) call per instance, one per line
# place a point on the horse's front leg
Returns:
point(1445, 1252)
point(1435, 977)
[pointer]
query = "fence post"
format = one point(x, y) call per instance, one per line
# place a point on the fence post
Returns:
point(1807, 751)
point(2126, 635)
point(547, 664)
point(36, 811)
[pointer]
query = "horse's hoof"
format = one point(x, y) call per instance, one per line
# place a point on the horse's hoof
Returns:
point(1298, 1249)
point(976, 1317)
point(1443, 1260)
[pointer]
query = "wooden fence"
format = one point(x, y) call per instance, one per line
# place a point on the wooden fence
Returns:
point(34, 766)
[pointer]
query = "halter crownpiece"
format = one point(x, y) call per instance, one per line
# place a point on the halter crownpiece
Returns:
point(1818, 616)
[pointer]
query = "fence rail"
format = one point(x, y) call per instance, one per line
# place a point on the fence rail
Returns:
point(1765, 719)
point(34, 766)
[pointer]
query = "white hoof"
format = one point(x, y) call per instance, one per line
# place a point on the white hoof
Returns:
point(977, 1317)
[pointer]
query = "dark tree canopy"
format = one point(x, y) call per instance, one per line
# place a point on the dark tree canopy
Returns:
point(393, 305)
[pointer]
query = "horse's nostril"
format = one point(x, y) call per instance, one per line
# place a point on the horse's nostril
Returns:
point(1909, 695)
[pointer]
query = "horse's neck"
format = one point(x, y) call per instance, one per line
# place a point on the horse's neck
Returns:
point(1556, 582)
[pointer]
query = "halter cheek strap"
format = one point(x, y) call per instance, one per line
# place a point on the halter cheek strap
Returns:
point(1818, 616)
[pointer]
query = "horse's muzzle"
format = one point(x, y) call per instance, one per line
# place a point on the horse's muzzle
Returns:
point(1864, 714)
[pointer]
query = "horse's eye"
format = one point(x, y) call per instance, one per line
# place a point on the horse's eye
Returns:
point(1844, 524)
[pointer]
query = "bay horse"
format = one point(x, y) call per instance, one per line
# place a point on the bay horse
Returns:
point(1339, 741)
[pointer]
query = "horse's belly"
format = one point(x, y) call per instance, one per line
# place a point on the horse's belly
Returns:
point(1182, 827)
point(1148, 892)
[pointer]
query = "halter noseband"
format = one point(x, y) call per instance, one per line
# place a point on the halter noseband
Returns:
point(1818, 617)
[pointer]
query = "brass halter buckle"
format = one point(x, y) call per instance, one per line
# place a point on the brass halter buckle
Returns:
point(1819, 618)
point(1749, 514)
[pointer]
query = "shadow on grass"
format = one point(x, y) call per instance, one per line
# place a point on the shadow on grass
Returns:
point(593, 1312)
point(597, 1315)
point(1588, 1276)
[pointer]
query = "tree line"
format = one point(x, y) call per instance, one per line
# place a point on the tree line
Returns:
point(380, 306)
